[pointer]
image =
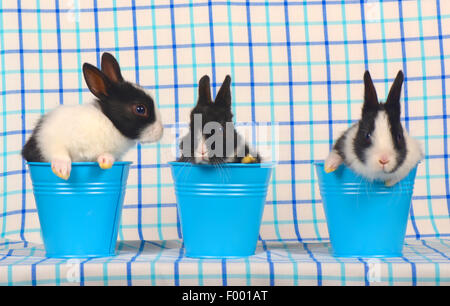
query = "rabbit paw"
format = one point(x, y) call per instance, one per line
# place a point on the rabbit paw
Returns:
point(333, 161)
point(105, 161)
point(62, 168)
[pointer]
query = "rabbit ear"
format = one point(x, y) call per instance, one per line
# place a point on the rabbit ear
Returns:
point(111, 68)
point(96, 81)
point(224, 95)
point(393, 99)
point(370, 94)
point(204, 91)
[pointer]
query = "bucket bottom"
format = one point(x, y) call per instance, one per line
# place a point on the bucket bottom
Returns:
point(367, 255)
point(80, 256)
point(217, 256)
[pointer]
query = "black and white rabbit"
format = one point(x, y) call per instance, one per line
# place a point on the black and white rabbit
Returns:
point(212, 138)
point(377, 147)
point(101, 131)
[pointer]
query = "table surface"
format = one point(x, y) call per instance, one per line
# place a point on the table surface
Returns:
point(424, 262)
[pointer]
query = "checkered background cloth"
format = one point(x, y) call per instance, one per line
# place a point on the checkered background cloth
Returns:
point(296, 67)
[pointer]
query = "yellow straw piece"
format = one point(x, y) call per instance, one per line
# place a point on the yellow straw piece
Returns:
point(248, 159)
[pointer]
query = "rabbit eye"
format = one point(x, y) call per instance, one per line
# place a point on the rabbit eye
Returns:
point(368, 137)
point(140, 110)
point(399, 137)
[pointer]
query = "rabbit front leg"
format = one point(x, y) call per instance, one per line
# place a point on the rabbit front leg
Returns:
point(333, 161)
point(61, 165)
point(105, 160)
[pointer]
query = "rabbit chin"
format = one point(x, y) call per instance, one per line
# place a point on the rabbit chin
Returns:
point(201, 160)
point(378, 169)
point(371, 171)
point(154, 131)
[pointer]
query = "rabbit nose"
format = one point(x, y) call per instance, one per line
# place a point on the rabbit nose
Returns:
point(383, 160)
point(203, 150)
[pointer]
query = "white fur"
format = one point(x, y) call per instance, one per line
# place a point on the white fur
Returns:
point(153, 132)
point(382, 147)
point(201, 151)
point(80, 133)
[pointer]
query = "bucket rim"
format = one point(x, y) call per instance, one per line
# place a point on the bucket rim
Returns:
point(226, 165)
point(75, 164)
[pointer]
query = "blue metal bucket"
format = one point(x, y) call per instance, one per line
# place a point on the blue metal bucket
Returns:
point(220, 208)
point(365, 219)
point(80, 217)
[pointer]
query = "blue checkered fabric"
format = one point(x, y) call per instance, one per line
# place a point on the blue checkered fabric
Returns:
point(297, 68)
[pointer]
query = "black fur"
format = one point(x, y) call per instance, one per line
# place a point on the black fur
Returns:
point(120, 97)
point(31, 151)
point(117, 99)
point(371, 109)
point(393, 110)
point(339, 145)
point(217, 111)
point(118, 108)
